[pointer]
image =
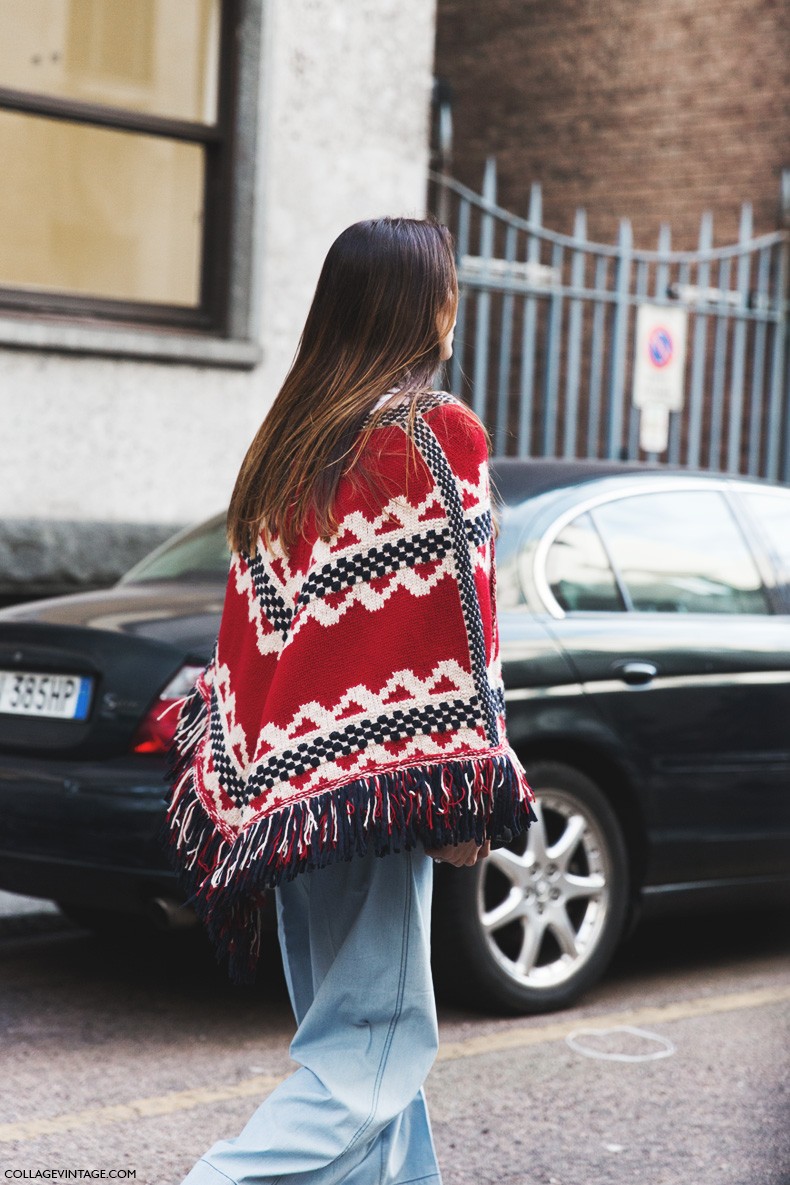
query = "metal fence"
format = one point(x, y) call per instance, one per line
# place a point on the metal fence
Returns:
point(545, 336)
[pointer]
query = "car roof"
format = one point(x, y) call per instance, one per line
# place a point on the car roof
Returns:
point(515, 479)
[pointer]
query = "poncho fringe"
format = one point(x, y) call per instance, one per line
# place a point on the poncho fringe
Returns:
point(432, 804)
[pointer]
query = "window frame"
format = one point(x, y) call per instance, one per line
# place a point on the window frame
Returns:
point(750, 522)
point(212, 313)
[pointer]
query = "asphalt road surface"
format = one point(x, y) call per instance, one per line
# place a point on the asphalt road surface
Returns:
point(136, 1056)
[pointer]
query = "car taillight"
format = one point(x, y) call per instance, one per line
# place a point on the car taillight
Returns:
point(157, 728)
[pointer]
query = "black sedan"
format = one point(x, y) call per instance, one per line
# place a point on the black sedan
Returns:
point(645, 620)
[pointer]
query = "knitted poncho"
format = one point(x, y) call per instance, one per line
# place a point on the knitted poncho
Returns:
point(355, 694)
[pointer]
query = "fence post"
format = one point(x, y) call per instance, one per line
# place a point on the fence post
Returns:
point(717, 398)
point(574, 337)
point(697, 394)
point(505, 350)
point(596, 358)
point(779, 398)
point(480, 378)
point(758, 365)
point(529, 334)
point(676, 419)
point(633, 415)
point(614, 430)
point(739, 344)
point(462, 249)
point(553, 360)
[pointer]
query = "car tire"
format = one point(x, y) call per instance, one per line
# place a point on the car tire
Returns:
point(534, 926)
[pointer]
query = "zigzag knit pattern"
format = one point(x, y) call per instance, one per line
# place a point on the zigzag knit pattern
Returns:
point(355, 693)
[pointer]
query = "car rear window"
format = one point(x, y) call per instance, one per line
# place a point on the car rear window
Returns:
point(681, 552)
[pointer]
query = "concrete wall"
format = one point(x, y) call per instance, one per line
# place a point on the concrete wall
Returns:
point(655, 111)
point(343, 111)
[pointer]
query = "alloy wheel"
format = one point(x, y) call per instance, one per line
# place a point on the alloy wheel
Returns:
point(543, 901)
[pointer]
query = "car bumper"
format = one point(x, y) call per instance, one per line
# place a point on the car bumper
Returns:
point(116, 889)
point(84, 833)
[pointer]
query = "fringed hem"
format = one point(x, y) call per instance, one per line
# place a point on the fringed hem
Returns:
point(434, 804)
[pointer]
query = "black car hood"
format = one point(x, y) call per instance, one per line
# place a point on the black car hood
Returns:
point(181, 614)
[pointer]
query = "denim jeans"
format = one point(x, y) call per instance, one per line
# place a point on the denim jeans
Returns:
point(355, 939)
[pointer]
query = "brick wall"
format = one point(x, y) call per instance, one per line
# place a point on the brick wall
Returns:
point(651, 110)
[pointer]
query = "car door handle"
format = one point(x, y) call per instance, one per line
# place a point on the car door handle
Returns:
point(637, 674)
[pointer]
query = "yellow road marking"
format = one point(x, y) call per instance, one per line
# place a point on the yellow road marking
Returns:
point(163, 1104)
point(520, 1037)
point(503, 1039)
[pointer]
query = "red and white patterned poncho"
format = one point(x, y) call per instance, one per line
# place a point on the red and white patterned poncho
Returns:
point(355, 694)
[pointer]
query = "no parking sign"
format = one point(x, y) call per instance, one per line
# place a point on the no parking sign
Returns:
point(659, 364)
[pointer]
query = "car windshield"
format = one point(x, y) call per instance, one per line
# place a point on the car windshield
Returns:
point(198, 554)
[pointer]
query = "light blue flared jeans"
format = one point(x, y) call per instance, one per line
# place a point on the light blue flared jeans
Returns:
point(355, 939)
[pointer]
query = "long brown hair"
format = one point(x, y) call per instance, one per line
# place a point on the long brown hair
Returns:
point(385, 299)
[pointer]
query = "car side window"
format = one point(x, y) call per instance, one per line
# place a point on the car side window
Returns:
point(681, 552)
point(579, 572)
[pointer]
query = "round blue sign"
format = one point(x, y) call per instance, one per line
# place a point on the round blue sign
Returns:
point(659, 346)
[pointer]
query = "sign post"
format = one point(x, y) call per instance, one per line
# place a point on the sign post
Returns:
point(659, 364)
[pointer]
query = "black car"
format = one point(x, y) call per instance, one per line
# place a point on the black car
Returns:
point(645, 622)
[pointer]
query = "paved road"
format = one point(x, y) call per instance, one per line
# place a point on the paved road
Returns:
point(132, 1056)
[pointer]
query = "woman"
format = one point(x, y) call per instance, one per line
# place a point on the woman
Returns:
point(353, 710)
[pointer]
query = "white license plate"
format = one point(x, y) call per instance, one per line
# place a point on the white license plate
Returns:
point(60, 697)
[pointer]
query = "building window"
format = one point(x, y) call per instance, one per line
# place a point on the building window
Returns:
point(115, 135)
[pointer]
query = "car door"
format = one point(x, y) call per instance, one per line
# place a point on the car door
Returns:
point(677, 637)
